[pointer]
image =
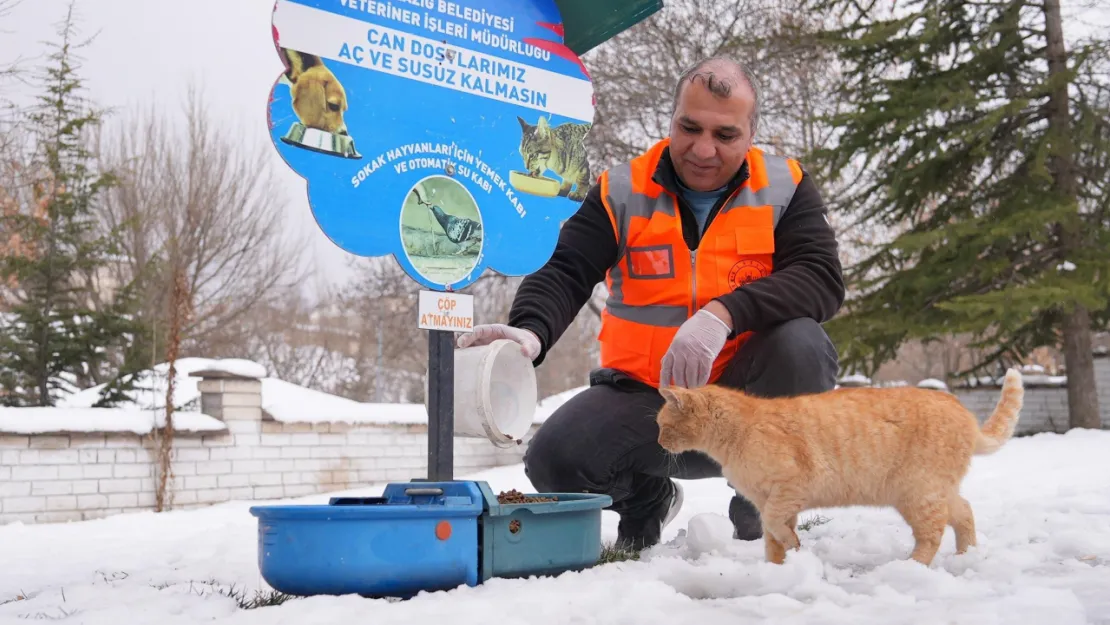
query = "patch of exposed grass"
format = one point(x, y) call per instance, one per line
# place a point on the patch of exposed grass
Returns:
point(245, 600)
point(812, 522)
point(260, 598)
point(610, 553)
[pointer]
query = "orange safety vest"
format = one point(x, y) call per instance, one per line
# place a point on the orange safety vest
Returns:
point(657, 282)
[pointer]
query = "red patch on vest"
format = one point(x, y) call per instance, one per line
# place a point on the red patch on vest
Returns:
point(746, 271)
point(651, 262)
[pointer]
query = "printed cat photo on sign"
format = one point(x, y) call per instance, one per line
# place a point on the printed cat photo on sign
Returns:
point(560, 149)
point(903, 447)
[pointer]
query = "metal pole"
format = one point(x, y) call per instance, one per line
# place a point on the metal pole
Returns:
point(441, 405)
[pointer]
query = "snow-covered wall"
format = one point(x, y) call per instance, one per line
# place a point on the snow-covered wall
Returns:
point(235, 450)
point(1045, 407)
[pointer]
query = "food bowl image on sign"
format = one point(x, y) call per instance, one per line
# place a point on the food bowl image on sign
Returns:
point(534, 185)
point(320, 141)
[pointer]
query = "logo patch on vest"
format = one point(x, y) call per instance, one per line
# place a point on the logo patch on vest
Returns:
point(651, 262)
point(746, 271)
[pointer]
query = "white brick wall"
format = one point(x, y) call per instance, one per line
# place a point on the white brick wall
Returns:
point(64, 476)
point(77, 476)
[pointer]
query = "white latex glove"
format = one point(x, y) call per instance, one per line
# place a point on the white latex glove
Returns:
point(486, 334)
point(689, 360)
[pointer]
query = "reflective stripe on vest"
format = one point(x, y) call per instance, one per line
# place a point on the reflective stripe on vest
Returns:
point(654, 285)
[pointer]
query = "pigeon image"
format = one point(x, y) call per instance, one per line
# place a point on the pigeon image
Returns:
point(458, 229)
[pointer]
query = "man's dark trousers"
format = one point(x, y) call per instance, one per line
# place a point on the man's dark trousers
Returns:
point(605, 439)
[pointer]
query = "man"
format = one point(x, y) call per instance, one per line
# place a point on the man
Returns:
point(720, 263)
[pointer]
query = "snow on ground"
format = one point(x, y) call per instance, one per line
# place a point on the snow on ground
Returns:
point(1042, 506)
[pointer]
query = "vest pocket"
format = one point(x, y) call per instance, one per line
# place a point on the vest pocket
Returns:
point(755, 230)
point(742, 258)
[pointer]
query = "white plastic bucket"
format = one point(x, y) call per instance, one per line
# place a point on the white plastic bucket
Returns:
point(495, 392)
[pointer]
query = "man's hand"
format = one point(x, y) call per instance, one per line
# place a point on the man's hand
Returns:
point(486, 334)
point(689, 361)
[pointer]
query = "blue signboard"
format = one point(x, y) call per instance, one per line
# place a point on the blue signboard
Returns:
point(448, 133)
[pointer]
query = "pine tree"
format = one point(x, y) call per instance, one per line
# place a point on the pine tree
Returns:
point(51, 335)
point(986, 145)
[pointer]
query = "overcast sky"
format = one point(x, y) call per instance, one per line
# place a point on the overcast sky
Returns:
point(148, 50)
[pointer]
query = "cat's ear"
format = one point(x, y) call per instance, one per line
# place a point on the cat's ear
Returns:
point(523, 124)
point(673, 395)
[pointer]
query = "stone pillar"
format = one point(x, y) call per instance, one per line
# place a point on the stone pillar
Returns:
point(230, 396)
point(231, 471)
point(234, 398)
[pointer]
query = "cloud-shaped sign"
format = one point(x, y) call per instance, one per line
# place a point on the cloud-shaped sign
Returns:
point(448, 133)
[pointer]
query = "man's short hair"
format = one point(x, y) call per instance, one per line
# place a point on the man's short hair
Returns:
point(719, 84)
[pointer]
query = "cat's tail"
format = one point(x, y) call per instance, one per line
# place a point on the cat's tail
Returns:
point(1000, 426)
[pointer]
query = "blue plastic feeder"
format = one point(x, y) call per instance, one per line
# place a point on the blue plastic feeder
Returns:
point(424, 536)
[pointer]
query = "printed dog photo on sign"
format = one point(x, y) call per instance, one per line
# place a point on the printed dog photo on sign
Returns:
point(320, 103)
point(560, 149)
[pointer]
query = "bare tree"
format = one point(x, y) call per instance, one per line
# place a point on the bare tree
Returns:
point(305, 342)
point(12, 140)
point(11, 67)
point(192, 195)
point(391, 356)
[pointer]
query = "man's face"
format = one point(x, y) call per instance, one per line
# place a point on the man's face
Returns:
point(711, 135)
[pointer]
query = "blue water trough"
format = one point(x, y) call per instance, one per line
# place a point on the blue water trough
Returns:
point(424, 536)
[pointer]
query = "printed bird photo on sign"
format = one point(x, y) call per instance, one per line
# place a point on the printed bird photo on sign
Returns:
point(441, 230)
point(449, 134)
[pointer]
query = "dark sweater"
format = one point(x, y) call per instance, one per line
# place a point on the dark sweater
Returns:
point(806, 280)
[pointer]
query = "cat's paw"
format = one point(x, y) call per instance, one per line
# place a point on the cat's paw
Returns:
point(789, 540)
point(773, 550)
point(794, 543)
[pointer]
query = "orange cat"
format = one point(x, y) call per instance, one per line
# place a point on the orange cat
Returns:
point(903, 447)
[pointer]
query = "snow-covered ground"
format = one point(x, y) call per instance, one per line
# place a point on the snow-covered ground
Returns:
point(1042, 505)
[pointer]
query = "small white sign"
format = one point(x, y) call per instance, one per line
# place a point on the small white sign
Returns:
point(453, 312)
